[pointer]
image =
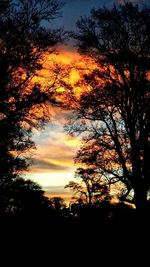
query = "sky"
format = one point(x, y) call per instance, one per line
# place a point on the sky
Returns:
point(53, 161)
point(73, 9)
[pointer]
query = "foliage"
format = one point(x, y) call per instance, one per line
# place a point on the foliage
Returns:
point(25, 35)
point(57, 203)
point(113, 112)
point(22, 197)
point(90, 189)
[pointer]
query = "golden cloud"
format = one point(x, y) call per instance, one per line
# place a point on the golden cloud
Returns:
point(55, 150)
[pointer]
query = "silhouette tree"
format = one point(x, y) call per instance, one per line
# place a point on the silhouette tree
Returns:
point(23, 197)
point(114, 112)
point(57, 203)
point(60, 213)
point(90, 189)
point(25, 35)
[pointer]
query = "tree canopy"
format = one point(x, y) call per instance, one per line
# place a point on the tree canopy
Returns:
point(113, 112)
point(26, 33)
point(90, 188)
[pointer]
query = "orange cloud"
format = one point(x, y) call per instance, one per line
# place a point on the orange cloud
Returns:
point(66, 65)
point(53, 161)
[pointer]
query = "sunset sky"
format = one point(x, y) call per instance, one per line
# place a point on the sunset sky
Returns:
point(54, 157)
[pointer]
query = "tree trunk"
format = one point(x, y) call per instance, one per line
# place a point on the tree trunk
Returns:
point(140, 196)
point(90, 198)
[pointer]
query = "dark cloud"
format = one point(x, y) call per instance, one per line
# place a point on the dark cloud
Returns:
point(42, 164)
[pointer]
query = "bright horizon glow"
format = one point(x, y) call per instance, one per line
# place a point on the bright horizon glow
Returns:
point(54, 179)
point(53, 163)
